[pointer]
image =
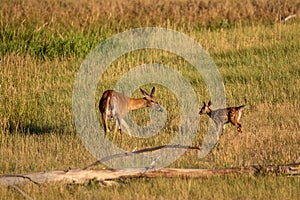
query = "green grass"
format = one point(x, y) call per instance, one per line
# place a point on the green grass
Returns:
point(259, 64)
point(230, 187)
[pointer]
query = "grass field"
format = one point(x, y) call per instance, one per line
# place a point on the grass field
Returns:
point(42, 45)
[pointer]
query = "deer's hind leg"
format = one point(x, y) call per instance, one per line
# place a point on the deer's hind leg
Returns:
point(117, 127)
point(105, 125)
point(234, 120)
point(239, 127)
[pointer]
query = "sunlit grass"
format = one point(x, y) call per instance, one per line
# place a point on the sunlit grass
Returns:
point(259, 65)
point(248, 187)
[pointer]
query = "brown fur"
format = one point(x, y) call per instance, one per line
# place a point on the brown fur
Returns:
point(224, 116)
point(115, 105)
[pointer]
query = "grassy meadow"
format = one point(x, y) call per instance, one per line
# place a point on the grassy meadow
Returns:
point(42, 45)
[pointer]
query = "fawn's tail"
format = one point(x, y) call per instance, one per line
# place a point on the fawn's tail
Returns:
point(241, 107)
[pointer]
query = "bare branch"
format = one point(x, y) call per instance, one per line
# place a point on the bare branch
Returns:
point(120, 155)
point(21, 192)
point(21, 176)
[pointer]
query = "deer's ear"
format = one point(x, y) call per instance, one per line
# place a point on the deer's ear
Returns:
point(144, 92)
point(209, 103)
point(204, 104)
point(152, 91)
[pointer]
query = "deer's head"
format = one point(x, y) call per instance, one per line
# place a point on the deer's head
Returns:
point(205, 108)
point(151, 101)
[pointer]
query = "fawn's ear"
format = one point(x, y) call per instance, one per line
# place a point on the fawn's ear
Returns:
point(209, 103)
point(152, 92)
point(204, 104)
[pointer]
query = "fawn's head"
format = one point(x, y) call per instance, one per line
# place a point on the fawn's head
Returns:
point(151, 101)
point(205, 108)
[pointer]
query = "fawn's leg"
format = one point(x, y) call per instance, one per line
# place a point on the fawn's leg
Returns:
point(219, 126)
point(239, 127)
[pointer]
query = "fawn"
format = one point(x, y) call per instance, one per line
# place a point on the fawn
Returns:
point(115, 105)
point(224, 116)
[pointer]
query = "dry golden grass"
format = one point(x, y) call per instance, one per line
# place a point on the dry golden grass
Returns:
point(43, 43)
point(125, 13)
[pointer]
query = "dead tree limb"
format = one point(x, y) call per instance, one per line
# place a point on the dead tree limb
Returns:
point(125, 154)
point(86, 174)
point(83, 176)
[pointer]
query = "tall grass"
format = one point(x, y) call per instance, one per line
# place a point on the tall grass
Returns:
point(43, 44)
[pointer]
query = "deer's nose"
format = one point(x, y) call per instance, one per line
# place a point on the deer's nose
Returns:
point(159, 108)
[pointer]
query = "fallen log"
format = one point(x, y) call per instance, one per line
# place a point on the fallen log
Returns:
point(82, 176)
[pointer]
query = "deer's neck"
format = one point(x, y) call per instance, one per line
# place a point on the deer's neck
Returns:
point(135, 104)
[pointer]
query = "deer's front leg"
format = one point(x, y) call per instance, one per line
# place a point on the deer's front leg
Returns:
point(218, 125)
point(118, 125)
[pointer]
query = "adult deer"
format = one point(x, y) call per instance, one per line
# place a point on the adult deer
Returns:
point(115, 105)
point(224, 116)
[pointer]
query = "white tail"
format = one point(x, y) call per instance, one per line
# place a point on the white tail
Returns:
point(115, 105)
point(224, 116)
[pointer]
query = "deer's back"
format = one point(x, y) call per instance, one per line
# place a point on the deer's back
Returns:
point(112, 101)
point(226, 114)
